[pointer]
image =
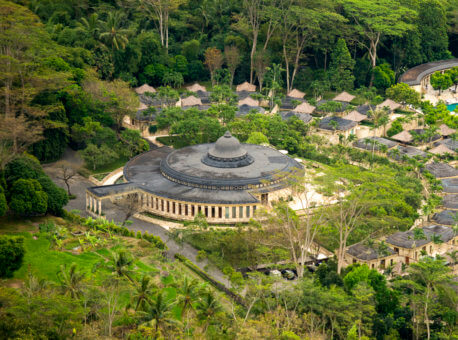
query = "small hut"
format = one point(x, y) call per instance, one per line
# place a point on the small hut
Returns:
point(246, 86)
point(295, 93)
point(248, 101)
point(305, 117)
point(304, 108)
point(191, 101)
point(336, 123)
point(444, 130)
point(390, 104)
point(441, 170)
point(196, 87)
point(355, 116)
point(145, 88)
point(403, 137)
point(142, 107)
point(441, 149)
point(344, 97)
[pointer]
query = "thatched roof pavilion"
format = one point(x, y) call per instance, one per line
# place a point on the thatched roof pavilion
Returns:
point(344, 97)
point(145, 88)
point(444, 130)
point(403, 137)
point(246, 86)
point(295, 93)
point(304, 108)
point(248, 101)
point(196, 87)
point(441, 149)
point(355, 116)
point(191, 101)
point(392, 105)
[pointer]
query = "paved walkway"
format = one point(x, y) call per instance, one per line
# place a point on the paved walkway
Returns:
point(78, 188)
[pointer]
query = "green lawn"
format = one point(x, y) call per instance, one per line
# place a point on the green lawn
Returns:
point(45, 262)
point(110, 167)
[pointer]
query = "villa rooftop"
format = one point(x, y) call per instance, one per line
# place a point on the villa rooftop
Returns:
point(368, 143)
point(450, 185)
point(341, 124)
point(366, 253)
point(445, 217)
point(450, 201)
point(305, 117)
point(441, 170)
point(406, 239)
point(245, 109)
point(449, 143)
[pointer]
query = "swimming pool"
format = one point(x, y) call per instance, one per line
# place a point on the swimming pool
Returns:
point(452, 107)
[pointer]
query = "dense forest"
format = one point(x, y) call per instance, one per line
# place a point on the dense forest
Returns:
point(67, 73)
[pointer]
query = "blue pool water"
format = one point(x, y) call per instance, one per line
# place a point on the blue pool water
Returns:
point(452, 107)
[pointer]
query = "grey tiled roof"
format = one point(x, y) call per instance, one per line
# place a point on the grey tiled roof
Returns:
point(406, 239)
point(361, 143)
point(441, 170)
point(342, 124)
point(445, 217)
point(450, 201)
point(366, 253)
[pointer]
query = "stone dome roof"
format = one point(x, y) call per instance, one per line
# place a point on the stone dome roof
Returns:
point(227, 147)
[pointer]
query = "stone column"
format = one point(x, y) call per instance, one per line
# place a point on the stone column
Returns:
point(100, 207)
point(90, 202)
point(86, 202)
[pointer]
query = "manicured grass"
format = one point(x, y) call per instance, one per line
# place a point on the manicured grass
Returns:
point(45, 262)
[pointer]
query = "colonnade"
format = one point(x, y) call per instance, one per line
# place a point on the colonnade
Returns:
point(187, 211)
point(179, 210)
point(93, 204)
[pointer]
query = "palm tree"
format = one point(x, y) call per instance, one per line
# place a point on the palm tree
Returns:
point(113, 34)
point(121, 262)
point(188, 294)
point(160, 312)
point(71, 280)
point(91, 25)
point(207, 307)
point(142, 293)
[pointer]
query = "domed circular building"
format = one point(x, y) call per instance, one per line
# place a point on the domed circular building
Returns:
point(226, 181)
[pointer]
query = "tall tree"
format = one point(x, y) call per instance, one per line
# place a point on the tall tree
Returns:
point(233, 60)
point(112, 33)
point(160, 10)
point(214, 61)
point(341, 67)
point(375, 20)
point(301, 20)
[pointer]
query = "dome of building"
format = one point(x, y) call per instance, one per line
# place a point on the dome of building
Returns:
point(227, 147)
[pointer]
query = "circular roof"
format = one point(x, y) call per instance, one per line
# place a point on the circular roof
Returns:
point(227, 165)
point(227, 147)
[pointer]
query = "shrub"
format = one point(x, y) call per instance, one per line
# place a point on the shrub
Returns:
point(28, 198)
point(11, 254)
point(47, 227)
